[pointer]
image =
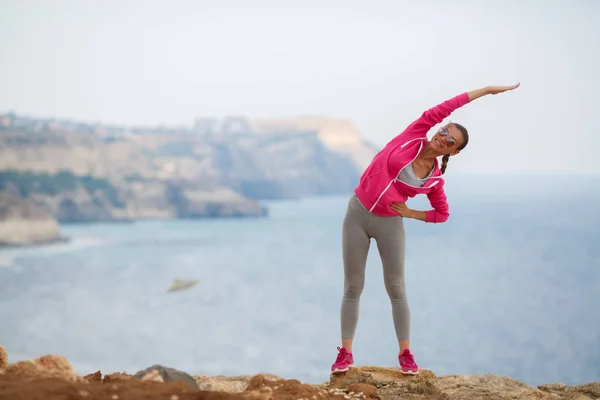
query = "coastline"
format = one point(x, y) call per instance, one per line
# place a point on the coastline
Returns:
point(27, 222)
point(59, 240)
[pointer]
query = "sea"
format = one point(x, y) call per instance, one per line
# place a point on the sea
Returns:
point(510, 285)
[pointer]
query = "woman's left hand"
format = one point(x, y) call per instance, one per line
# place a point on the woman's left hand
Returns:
point(500, 89)
point(401, 209)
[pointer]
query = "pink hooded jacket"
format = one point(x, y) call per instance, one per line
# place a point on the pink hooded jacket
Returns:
point(379, 186)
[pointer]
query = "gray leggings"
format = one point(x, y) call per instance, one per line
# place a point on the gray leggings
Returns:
point(359, 227)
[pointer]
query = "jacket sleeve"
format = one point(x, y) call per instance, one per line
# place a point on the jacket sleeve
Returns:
point(440, 211)
point(430, 118)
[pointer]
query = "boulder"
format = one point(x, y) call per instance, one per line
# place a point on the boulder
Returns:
point(117, 377)
point(23, 222)
point(166, 374)
point(576, 392)
point(47, 366)
point(3, 358)
point(390, 382)
point(229, 384)
point(489, 387)
point(262, 387)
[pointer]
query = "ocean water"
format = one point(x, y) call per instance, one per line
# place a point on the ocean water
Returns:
point(510, 285)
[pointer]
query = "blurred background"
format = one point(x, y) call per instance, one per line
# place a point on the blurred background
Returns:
point(147, 141)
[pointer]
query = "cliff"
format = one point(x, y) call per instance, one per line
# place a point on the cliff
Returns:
point(273, 161)
point(51, 376)
point(24, 222)
point(338, 135)
point(72, 198)
point(80, 173)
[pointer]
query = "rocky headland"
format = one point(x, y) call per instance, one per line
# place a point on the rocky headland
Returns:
point(82, 173)
point(23, 222)
point(52, 377)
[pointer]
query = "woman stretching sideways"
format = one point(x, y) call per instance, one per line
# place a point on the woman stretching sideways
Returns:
point(406, 166)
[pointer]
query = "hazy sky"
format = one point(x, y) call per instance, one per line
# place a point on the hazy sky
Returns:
point(377, 62)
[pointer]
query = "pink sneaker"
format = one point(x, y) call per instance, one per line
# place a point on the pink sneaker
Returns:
point(343, 362)
point(407, 363)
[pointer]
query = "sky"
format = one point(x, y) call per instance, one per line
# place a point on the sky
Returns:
point(379, 63)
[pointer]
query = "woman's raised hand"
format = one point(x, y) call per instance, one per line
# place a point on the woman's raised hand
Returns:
point(500, 89)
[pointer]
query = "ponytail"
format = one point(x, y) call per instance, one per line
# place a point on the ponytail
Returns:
point(444, 163)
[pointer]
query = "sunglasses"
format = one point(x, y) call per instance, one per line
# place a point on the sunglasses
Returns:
point(443, 131)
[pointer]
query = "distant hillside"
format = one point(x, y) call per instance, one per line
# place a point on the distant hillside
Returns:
point(74, 198)
point(80, 172)
point(339, 136)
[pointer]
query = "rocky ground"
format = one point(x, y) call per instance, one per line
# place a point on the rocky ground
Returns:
point(51, 377)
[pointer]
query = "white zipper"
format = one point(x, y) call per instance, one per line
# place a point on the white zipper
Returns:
point(411, 140)
point(396, 177)
point(384, 190)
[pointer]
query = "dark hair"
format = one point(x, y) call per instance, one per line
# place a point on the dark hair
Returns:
point(465, 135)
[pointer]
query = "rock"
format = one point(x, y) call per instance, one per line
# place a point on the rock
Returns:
point(168, 375)
point(133, 389)
point(48, 366)
point(117, 377)
point(553, 387)
point(575, 396)
point(23, 222)
point(3, 358)
point(230, 384)
point(369, 391)
point(54, 363)
point(26, 370)
point(590, 390)
point(264, 393)
point(262, 387)
point(489, 387)
point(94, 377)
point(390, 382)
point(153, 376)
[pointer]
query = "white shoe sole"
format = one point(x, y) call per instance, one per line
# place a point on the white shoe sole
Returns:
point(339, 371)
point(408, 372)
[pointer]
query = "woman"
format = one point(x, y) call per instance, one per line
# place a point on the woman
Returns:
point(406, 166)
